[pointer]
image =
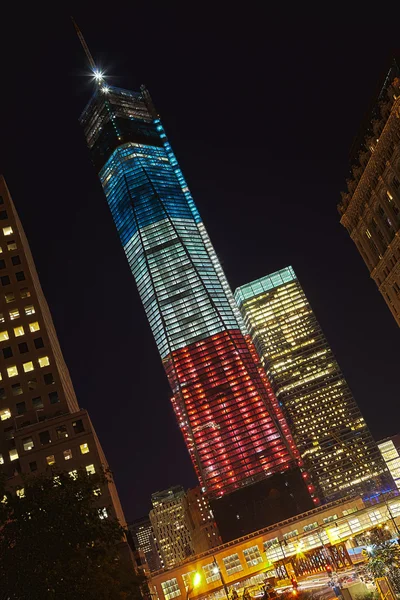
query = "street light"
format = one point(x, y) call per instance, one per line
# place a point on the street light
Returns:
point(217, 570)
point(195, 583)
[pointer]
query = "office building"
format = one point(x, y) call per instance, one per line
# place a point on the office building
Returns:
point(370, 207)
point(201, 521)
point(389, 448)
point(168, 518)
point(145, 541)
point(42, 425)
point(232, 424)
point(334, 441)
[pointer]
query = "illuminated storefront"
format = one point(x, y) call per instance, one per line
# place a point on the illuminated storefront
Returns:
point(301, 546)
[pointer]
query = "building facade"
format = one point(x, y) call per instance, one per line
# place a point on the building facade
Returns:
point(42, 426)
point(233, 427)
point(169, 521)
point(201, 521)
point(370, 208)
point(332, 536)
point(334, 441)
point(145, 541)
point(389, 448)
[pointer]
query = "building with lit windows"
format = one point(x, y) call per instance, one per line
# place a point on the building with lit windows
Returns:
point(145, 541)
point(232, 424)
point(201, 521)
point(334, 441)
point(169, 521)
point(370, 207)
point(389, 448)
point(333, 535)
point(41, 424)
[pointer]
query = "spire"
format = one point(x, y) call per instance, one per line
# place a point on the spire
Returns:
point(97, 73)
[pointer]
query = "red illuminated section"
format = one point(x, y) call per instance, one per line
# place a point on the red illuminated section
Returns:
point(231, 420)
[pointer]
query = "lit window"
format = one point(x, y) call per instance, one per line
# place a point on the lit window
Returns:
point(11, 245)
point(44, 361)
point(4, 336)
point(61, 432)
point(2, 319)
point(252, 556)
point(7, 230)
point(232, 564)
point(28, 443)
point(9, 297)
point(50, 459)
point(24, 292)
point(103, 513)
point(28, 366)
point(90, 469)
point(211, 573)
point(96, 492)
point(67, 454)
point(1, 249)
point(2, 461)
point(29, 310)
point(5, 414)
point(13, 454)
point(19, 331)
point(20, 493)
point(14, 314)
point(73, 474)
point(12, 371)
point(171, 588)
point(84, 448)
point(34, 326)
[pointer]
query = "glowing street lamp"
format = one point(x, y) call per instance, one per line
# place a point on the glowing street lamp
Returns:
point(217, 570)
point(195, 583)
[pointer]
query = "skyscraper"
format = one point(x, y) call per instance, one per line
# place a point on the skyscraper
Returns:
point(232, 424)
point(169, 521)
point(335, 444)
point(145, 541)
point(370, 208)
point(42, 425)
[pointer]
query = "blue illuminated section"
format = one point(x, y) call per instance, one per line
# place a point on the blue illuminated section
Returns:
point(181, 283)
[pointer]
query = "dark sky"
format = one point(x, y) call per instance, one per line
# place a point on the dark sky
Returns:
point(261, 109)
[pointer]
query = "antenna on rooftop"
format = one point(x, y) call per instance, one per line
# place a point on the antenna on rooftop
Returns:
point(98, 75)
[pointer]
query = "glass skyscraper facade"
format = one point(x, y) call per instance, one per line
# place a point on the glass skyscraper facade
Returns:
point(232, 423)
point(335, 444)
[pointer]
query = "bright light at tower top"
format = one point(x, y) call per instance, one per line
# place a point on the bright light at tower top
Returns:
point(98, 75)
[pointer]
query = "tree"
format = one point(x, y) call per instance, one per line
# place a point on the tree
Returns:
point(56, 544)
point(384, 560)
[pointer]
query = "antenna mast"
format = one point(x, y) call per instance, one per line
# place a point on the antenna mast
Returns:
point(85, 46)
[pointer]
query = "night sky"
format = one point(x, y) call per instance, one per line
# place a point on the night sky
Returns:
point(261, 109)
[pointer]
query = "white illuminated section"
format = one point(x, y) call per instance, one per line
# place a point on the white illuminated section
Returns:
point(392, 459)
point(105, 89)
